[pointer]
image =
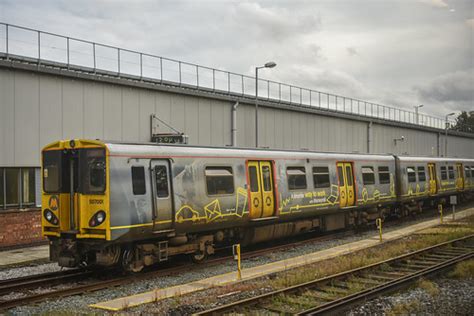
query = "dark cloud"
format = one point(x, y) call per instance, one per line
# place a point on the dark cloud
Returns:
point(456, 88)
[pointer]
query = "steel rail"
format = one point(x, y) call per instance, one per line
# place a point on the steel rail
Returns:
point(341, 303)
point(46, 278)
point(28, 282)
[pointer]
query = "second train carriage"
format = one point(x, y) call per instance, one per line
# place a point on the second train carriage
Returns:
point(137, 204)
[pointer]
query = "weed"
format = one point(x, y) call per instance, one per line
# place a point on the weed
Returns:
point(463, 270)
point(405, 308)
point(431, 288)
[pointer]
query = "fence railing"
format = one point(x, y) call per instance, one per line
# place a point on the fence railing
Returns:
point(73, 52)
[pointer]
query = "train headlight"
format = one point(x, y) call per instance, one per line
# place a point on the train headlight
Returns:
point(50, 217)
point(97, 219)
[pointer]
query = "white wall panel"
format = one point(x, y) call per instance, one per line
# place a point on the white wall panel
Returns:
point(26, 118)
point(147, 108)
point(37, 109)
point(51, 110)
point(93, 110)
point(112, 113)
point(130, 114)
point(7, 118)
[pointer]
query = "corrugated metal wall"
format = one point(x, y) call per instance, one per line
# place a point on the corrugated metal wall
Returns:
point(37, 109)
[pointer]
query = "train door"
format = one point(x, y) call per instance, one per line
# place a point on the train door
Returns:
point(162, 194)
point(346, 184)
point(460, 177)
point(433, 184)
point(262, 196)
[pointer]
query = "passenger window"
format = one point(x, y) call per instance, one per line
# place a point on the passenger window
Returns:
point(467, 171)
point(340, 175)
point(411, 174)
point(253, 179)
point(349, 176)
point(444, 174)
point(451, 172)
point(219, 180)
point(138, 180)
point(161, 178)
point(472, 171)
point(296, 178)
point(384, 175)
point(368, 176)
point(267, 185)
point(321, 177)
point(421, 174)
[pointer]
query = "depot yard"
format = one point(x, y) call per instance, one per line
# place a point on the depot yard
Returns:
point(419, 240)
point(201, 300)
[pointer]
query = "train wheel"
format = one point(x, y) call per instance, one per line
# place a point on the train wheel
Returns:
point(199, 256)
point(129, 261)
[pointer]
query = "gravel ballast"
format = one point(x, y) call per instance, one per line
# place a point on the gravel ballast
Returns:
point(454, 298)
point(80, 303)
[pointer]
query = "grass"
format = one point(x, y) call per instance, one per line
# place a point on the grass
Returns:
point(463, 270)
point(430, 287)
point(405, 308)
point(375, 254)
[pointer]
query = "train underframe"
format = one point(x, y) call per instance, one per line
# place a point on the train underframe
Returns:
point(135, 255)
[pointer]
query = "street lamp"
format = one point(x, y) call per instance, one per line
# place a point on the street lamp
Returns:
point(270, 64)
point(446, 134)
point(416, 112)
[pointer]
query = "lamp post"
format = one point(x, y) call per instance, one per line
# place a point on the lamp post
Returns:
point(270, 64)
point(446, 134)
point(416, 113)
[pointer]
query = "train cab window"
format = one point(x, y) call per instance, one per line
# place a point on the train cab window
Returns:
point(219, 180)
point(138, 180)
point(52, 162)
point(321, 177)
point(296, 178)
point(384, 175)
point(411, 174)
point(93, 165)
point(467, 172)
point(444, 173)
point(451, 172)
point(421, 174)
point(368, 175)
point(161, 178)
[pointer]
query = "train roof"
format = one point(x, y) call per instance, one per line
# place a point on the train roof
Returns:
point(236, 152)
point(151, 150)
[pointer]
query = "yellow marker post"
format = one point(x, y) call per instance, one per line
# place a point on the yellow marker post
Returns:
point(440, 208)
point(378, 222)
point(236, 251)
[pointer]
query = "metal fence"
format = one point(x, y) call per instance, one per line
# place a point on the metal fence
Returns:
point(105, 59)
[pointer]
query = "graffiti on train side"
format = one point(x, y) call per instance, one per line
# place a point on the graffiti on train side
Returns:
point(213, 210)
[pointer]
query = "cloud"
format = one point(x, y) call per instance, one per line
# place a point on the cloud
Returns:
point(453, 89)
point(470, 23)
point(435, 3)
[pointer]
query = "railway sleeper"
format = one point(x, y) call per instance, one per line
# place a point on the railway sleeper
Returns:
point(368, 281)
point(332, 289)
point(322, 296)
point(381, 277)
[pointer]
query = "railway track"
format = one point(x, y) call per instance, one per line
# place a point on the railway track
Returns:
point(91, 280)
point(84, 281)
point(338, 292)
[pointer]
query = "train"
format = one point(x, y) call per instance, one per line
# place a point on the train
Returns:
point(137, 204)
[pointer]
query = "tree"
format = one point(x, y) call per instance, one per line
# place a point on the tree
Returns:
point(464, 122)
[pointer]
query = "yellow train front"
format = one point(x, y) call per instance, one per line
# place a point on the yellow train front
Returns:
point(75, 199)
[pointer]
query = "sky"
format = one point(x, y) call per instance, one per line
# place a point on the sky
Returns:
point(399, 53)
